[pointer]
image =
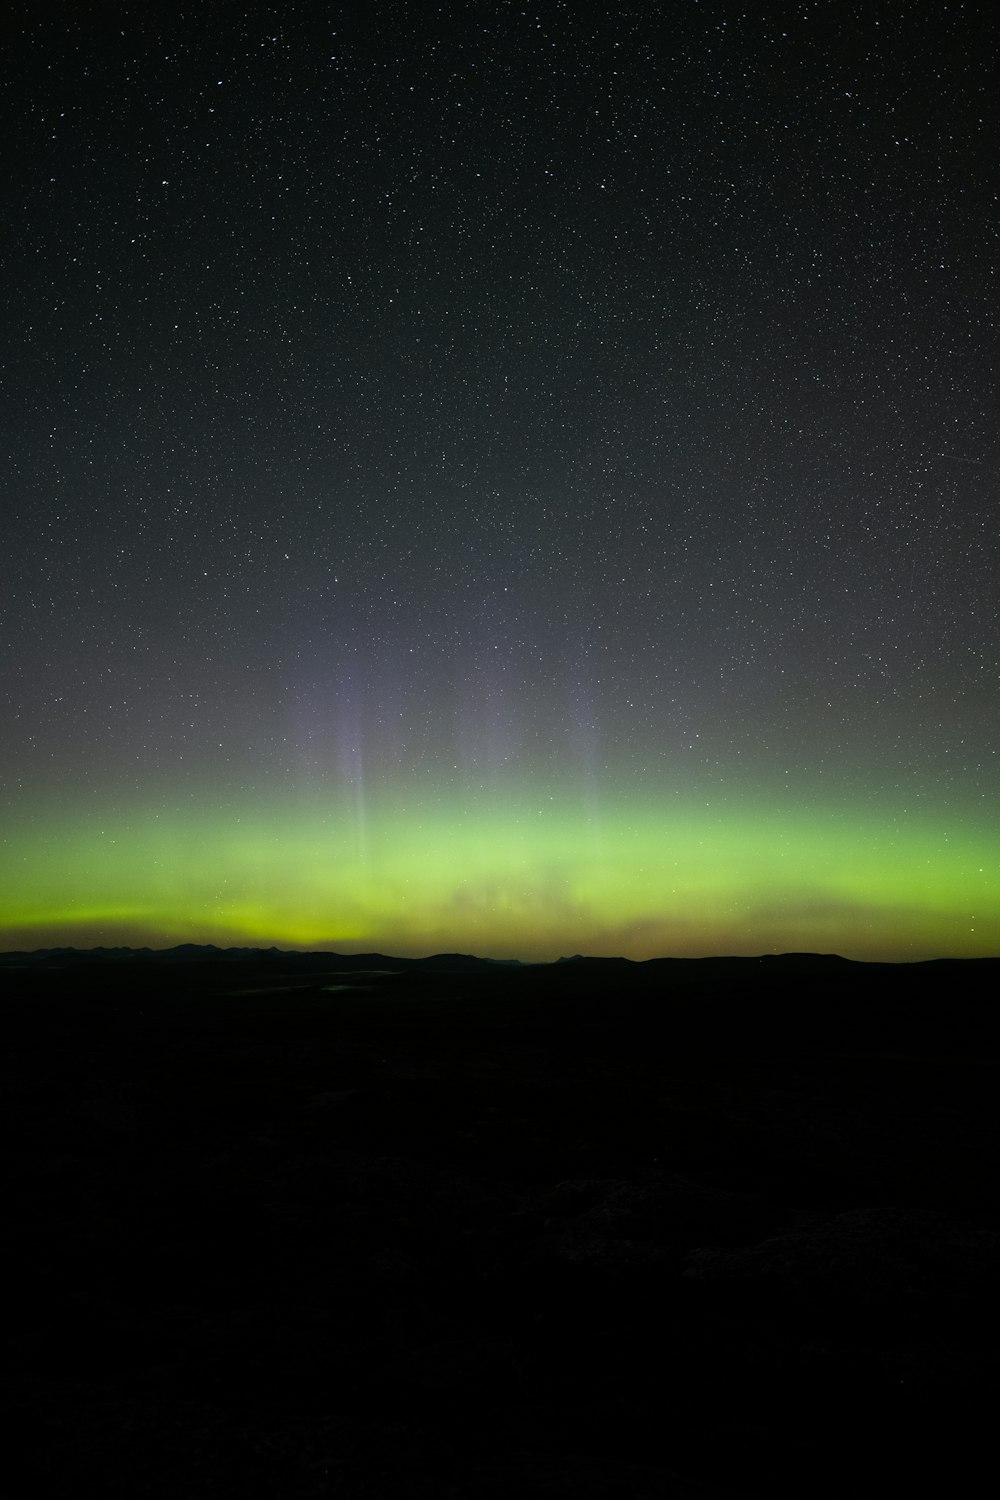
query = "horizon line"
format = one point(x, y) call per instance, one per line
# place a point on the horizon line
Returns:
point(454, 954)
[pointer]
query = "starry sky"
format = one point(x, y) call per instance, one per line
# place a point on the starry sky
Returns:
point(517, 478)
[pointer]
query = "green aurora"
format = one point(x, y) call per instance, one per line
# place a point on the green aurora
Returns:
point(505, 483)
point(526, 877)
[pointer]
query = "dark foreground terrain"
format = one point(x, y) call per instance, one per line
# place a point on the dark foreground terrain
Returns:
point(713, 1229)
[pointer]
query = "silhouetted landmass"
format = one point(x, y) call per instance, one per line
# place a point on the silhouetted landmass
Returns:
point(315, 1225)
point(295, 962)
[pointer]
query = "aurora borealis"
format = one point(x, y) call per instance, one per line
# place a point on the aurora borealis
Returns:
point(503, 482)
point(522, 880)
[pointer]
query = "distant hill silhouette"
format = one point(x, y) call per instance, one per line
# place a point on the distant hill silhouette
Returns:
point(201, 953)
point(455, 963)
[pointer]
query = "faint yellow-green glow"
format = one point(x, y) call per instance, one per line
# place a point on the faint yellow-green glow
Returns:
point(531, 878)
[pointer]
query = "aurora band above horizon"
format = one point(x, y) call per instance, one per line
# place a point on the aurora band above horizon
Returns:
point(532, 879)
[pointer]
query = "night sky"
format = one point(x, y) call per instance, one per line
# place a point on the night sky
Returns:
point(518, 479)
